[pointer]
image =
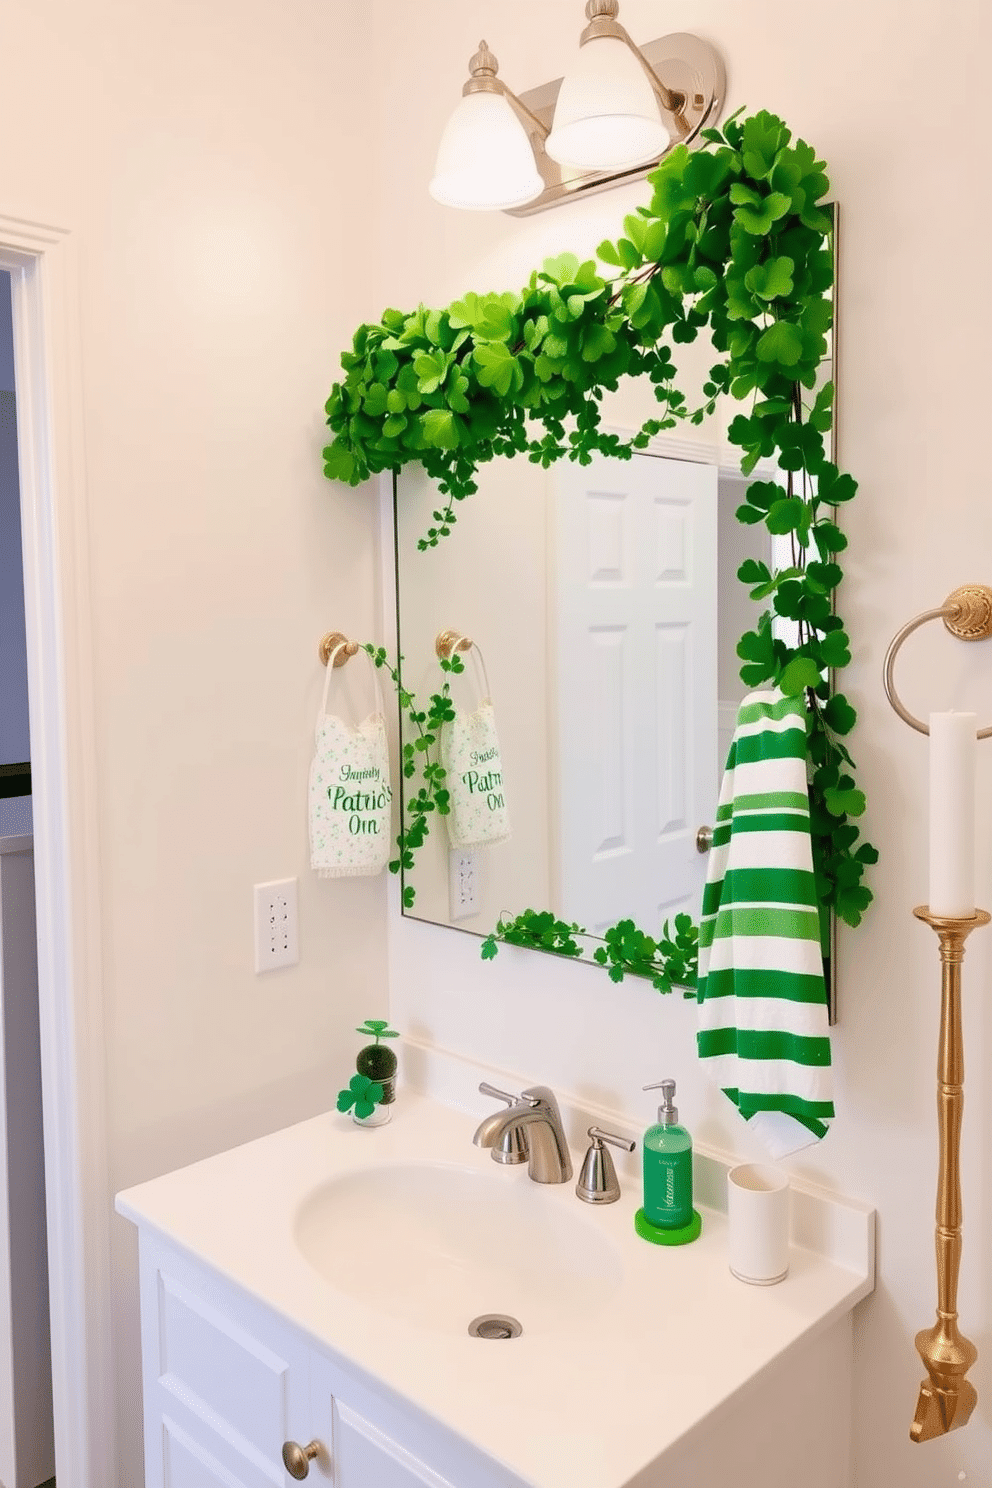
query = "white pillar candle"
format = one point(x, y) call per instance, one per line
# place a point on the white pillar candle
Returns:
point(953, 747)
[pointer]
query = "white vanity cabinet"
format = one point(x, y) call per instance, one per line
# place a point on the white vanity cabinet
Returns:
point(261, 1325)
point(227, 1382)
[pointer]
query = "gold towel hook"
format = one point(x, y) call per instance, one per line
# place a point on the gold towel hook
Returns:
point(451, 640)
point(967, 614)
point(330, 642)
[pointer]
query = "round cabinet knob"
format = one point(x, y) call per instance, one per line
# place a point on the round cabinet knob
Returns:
point(297, 1459)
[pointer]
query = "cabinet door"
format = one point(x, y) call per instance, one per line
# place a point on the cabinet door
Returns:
point(362, 1455)
point(225, 1382)
point(375, 1441)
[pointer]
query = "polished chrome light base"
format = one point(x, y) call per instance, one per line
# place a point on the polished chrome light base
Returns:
point(685, 64)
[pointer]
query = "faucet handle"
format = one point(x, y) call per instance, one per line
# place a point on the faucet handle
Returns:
point(598, 1182)
point(513, 1147)
point(504, 1095)
point(599, 1135)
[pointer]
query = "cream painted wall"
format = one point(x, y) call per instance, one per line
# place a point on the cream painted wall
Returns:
point(913, 394)
point(194, 151)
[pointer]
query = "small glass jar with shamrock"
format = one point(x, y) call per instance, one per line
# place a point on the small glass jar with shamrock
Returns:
point(372, 1091)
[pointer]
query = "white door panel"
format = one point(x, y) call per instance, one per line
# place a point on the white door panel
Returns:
point(635, 636)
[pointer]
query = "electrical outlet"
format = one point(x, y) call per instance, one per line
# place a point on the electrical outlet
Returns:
point(463, 883)
point(277, 940)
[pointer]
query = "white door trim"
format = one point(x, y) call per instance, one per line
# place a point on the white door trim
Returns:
point(41, 261)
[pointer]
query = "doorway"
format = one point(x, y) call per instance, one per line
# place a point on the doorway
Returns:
point(26, 1430)
point(15, 763)
point(40, 262)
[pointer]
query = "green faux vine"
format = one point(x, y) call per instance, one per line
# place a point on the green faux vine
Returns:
point(734, 239)
point(670, 961)
point(431, 796)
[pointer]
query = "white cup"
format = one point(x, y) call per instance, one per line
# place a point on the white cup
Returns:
point(758, 1223)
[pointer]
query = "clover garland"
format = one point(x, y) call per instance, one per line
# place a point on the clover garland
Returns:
point(736, 239)
point(670, 961)
point(432, 794)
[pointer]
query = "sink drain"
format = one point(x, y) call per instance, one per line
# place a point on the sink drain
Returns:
point(494, 1325)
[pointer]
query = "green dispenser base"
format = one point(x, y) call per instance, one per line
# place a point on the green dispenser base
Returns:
point(658, 1236)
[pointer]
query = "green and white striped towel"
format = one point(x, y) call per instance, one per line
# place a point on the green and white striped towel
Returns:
point(763, 1024)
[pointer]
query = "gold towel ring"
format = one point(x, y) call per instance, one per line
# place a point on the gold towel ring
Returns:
point(967, 614)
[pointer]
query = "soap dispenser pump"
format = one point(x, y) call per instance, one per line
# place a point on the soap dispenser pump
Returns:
point(667, 1217)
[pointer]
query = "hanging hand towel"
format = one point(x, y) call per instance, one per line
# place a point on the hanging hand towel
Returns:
point(763, 1026)
point(349, 790)
point(469, 747)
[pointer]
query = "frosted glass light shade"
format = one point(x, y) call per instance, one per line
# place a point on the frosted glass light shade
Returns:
point(484, 160)
point(607, 116)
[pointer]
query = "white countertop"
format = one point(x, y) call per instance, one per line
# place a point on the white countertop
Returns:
point(674, 1340)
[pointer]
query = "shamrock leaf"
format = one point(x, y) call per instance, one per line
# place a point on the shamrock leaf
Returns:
point(431, 368)
point(561, 270)
point(839, 715)
point(752, 571)
point(801, 672)
point(781, 342)
point(362, 1093)
point(762, 137)
point(377, 1028)
point(597, 342)
point(771, 280)
point(848, 802)
point(339, 462)
point(498, 368)
point(439, 428)
point(760, 218)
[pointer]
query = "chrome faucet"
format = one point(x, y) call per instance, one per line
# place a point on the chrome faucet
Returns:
point(534, 1114)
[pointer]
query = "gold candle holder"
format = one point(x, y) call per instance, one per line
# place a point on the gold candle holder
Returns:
point(946, 1398)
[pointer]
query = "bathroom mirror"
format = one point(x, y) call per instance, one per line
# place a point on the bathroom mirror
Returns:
point(605, 606)
point(604, 611)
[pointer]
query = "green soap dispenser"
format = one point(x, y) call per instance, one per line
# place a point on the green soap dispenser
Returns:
point(667, 1217)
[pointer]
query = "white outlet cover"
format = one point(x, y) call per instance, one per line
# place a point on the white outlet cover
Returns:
point(277, 940)
point(463, 883)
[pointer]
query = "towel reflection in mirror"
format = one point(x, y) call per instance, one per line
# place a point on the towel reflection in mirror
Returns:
point(470, 753)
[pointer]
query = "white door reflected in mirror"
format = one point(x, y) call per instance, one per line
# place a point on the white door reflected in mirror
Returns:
point(634, 629)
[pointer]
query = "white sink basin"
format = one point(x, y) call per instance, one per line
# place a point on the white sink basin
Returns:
point(438, 1245)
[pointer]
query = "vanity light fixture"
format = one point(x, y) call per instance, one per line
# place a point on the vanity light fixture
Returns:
point(485, 159)
point(613, 116)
